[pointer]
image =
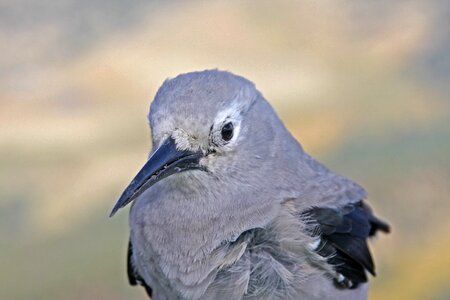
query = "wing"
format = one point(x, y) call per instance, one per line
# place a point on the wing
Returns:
point(133, 277)
point(343, 236)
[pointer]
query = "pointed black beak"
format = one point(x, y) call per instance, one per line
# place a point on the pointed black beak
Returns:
point(165, 161)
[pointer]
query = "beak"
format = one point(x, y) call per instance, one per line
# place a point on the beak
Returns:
point(165, 161)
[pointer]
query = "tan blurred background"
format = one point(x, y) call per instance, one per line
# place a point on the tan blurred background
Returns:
point(364, 85)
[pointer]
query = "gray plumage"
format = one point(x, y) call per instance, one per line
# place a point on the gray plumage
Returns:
point(255, 217)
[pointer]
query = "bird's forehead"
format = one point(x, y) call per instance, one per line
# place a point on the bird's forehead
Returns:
point(192, 101)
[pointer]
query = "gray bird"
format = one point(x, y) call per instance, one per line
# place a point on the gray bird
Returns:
point(229, 205)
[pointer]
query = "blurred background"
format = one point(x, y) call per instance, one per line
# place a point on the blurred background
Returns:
point(364, 85)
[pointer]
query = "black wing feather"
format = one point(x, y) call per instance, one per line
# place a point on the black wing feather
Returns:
point(133, 277)
point(344, 232)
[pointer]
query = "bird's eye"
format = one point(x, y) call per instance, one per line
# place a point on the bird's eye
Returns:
point(227, 131)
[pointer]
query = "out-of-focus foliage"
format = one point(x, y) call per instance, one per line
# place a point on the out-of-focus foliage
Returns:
point(362, 84)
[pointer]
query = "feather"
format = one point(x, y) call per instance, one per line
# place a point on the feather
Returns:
point(133, 277)
point(344, 232)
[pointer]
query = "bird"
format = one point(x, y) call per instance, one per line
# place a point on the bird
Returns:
point(230, 206)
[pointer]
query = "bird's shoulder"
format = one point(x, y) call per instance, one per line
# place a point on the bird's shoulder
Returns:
point(133, 276)
point(334, 213)
point(341, 237)
point(325, 242)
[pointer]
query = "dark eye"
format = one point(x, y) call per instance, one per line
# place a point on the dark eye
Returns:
point(227, 131)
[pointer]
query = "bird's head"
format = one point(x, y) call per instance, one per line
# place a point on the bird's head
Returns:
point(212, 126)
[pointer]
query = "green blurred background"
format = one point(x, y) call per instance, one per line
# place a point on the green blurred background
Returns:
point(364, 85)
